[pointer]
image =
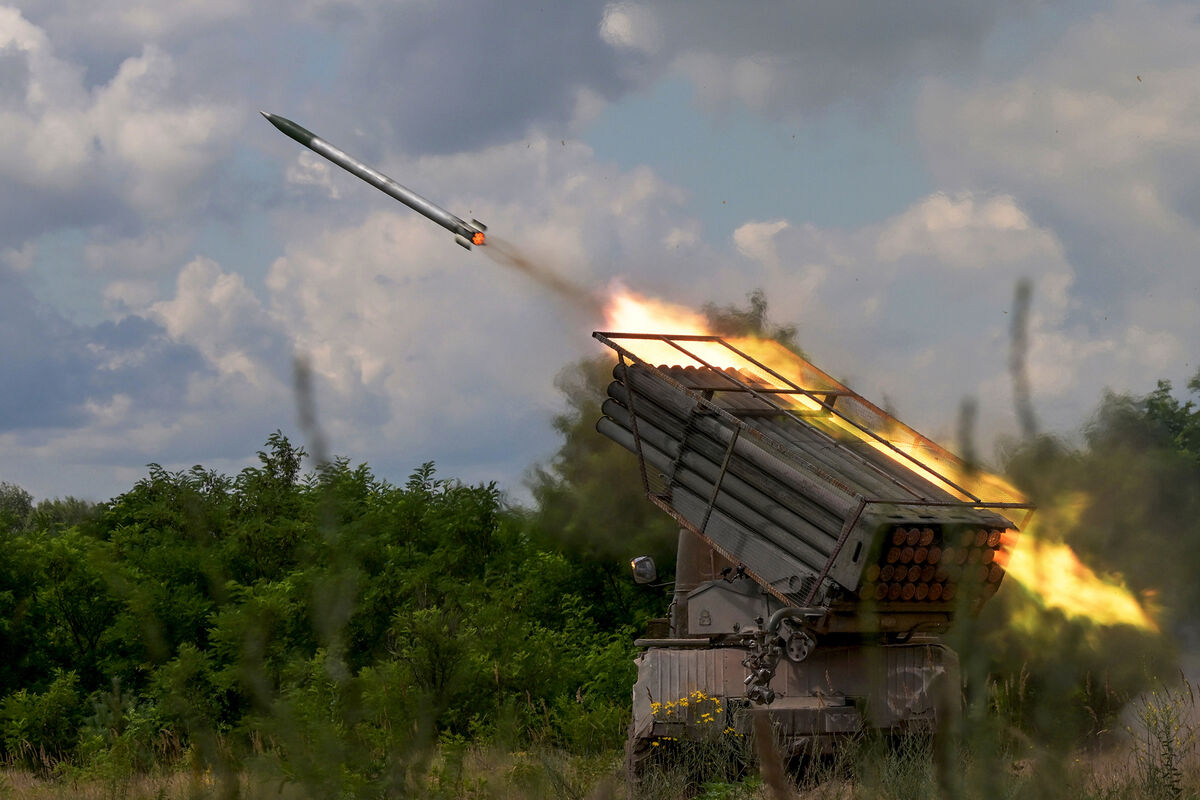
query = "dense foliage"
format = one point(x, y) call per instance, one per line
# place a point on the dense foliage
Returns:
point(248, 611)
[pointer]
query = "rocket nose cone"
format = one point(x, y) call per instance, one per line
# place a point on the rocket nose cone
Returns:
point(301, 134)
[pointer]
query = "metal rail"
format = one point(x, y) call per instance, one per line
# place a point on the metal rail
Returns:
point(854, 502)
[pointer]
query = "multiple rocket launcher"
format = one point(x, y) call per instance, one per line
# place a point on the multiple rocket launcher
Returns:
point(808, 499)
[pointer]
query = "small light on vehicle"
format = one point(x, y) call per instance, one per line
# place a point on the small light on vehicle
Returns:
point(644, 570)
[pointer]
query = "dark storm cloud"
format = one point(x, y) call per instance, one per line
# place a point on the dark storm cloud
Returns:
point(875, 32)
point(458, 76)
point(31, 211)
point(14, 77)
point(451, 77)
point(814, 54)
point(53, 369)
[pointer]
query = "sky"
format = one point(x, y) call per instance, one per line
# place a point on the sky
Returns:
point(886, 173)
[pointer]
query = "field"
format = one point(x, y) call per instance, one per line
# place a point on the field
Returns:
point(860, 768)
point(1155, 754)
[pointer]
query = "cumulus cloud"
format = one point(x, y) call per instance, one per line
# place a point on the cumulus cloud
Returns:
point(125, 151)
point(787, 60)
point(162, 147)
point(965, 233)
point(397, 326)
point(1099, 136)
point(631, 26)
point(756, 241)
point(426, 74)
point(202, 376)
point(916, 310)
point(59, 373)
point(216, 313)
point(117, 25)
point(401, 327)
point(1104, 126)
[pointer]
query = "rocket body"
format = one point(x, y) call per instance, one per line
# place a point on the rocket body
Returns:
point(465, 233)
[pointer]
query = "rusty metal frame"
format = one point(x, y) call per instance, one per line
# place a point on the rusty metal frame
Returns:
point(757, 435)
point(712, 500)
point(637, 439)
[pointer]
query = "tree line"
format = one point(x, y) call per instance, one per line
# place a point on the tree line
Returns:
point(199, 611)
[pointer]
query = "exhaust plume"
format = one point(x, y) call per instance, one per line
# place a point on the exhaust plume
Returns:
point(583, 300)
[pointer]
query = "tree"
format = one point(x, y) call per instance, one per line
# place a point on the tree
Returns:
point(1179, 421)
point(15, 507)
point(752, 320)
point(57, 514)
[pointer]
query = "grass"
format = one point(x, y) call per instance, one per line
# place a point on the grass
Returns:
point(18, 784)
point(1157, 759)
point(455, 771)
point(1163, 737)
point(1155, 755)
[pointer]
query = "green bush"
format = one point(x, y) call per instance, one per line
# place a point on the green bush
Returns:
point(125, 735)
point(40, 729)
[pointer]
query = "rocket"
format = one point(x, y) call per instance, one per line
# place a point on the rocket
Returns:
point(465, 233)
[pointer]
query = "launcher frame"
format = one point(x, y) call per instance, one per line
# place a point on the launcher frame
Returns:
point(831, 398)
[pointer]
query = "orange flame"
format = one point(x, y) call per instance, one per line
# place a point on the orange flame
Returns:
point(627, 311)
point(1058, 579)
point(477, 238)
point(630, 311)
